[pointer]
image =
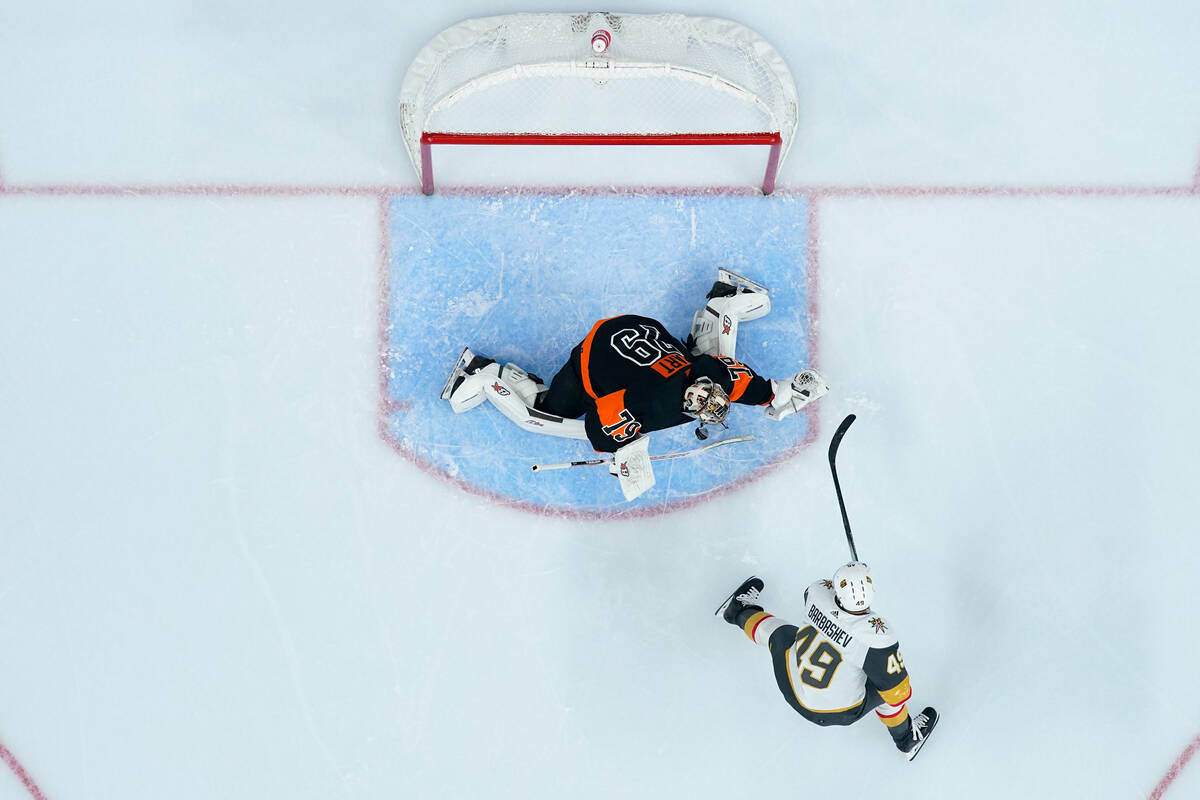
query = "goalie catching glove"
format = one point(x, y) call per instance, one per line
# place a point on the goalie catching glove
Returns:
point(795, 393)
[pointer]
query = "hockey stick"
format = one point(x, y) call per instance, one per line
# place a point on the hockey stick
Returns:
point(833, 448)
point(593, 462)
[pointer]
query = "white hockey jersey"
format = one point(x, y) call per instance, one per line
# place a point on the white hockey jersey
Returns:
point(838, 657)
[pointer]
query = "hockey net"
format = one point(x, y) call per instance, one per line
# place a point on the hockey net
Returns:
point(545, 79)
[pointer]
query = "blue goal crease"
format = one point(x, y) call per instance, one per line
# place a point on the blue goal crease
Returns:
point(522, 278)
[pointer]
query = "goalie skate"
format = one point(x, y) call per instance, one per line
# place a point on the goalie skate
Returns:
point(732, 278)
point(458, 373)
point(465, 386)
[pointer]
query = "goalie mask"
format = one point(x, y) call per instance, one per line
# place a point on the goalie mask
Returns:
point(706, 401)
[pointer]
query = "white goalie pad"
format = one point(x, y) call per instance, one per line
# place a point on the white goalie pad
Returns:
point(794, 394)
point(463, 395)
point(505, 397)
point(466, 394)
point(715, 327)
point(520, 382)
point(633, 468)
point(506, 387)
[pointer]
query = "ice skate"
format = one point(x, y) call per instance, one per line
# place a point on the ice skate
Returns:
point(462, 393)
point(468, 364)
point(744, 598)
point(922, 727)
point(740, 282)
point(458, 373)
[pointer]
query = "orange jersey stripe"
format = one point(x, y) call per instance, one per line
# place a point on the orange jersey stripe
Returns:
point(610, 406)
point(740, 385)
point(585, 354)
point(741, 380)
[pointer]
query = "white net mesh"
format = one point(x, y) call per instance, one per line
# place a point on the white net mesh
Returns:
point(538, 73)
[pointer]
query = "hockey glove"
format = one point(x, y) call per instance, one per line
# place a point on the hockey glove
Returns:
point(795, 393)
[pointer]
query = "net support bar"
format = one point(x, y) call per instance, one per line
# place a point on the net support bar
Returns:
point(773, 140)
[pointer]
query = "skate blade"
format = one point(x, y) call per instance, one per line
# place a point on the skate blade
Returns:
point(721, 607)
point(917, 750)
point(464, 358)
point(726, 276)
point(724, 603)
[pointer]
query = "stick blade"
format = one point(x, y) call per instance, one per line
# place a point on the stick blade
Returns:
point(838, 434)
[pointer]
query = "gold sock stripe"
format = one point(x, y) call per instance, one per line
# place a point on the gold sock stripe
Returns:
point(895, 719)
point(752, 624)
point(898, 694)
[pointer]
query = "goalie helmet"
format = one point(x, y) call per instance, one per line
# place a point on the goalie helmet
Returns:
point(853, 588)
point(706, 401)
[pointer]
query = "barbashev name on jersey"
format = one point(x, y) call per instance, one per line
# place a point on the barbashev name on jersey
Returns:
point(828, 627)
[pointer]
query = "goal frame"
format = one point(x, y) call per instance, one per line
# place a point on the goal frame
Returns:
point(770, 92)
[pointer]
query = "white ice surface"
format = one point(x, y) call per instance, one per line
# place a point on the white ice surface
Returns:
point(216, 580)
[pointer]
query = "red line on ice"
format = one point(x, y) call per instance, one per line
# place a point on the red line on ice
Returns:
point(19, 771)
point(201, 190)
point(382, 190)
point(1176, 768)
point(385, 256)
point(596, 516)
point(998, 190)
point(813, 268)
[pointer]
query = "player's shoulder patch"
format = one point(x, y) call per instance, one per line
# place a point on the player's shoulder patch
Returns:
point(874, 630)
point(822, 588)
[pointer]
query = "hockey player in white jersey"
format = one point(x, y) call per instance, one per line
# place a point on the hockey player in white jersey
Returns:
point(843, 662)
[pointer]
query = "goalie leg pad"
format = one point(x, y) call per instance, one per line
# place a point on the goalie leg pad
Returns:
point(730, 302)
point(469, 391)
point(463, 392)
point(525, 385)
point(504, 397)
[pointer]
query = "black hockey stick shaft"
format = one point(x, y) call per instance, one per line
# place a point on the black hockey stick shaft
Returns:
point(833, 448)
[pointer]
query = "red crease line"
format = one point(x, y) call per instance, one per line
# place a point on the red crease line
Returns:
point(1176, 768)
point(17, 769)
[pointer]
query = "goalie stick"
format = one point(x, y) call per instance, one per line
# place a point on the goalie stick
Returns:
point(833, 448)
point(593, 462)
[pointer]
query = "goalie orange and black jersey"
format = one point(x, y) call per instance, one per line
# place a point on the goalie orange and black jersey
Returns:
point(636, 372)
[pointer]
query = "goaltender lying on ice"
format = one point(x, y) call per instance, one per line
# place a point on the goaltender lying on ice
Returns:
point(630, 376)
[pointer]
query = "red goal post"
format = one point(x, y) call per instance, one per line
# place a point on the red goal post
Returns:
point(598, 79)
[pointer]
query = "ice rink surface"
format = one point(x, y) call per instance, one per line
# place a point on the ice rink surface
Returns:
point(221, 577)
point(531, 274)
